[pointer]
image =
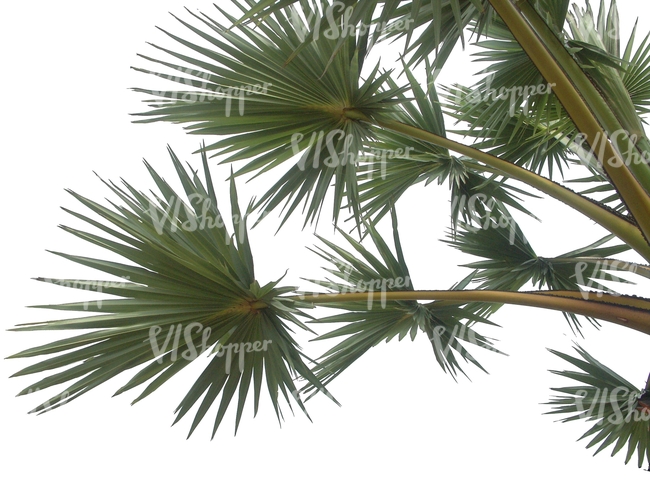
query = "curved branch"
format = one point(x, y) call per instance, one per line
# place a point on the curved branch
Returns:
point(629, 311)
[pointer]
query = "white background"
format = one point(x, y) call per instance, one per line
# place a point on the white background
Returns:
point(65, 114)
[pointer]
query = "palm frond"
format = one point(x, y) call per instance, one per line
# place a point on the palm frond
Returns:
point(381, 185)
point(239, 87)
point(512, 110)
point(476, 198)
point(622, 79)
point(636, 76)
point(512, 263)
point(443, 24)
point(596, 44)
point(448, 327)
point(531, 131)
point(617, 406)
point(590, 263)
point(190, 289)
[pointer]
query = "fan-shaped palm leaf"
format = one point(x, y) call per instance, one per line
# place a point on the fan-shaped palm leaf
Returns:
point(607, 398)
point(636, 76)
point(537, 135)
point(241, 87)
point(585, 104)
point(191, 287)
point(512, 263)
point(369, 325)
point(512, 110)
point(622, 78)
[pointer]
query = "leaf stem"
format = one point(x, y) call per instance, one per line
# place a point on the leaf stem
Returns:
point(607, 264)
point(635, 314)
point(618, 226)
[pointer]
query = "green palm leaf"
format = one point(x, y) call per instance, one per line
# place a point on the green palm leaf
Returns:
point(623, 78)
point(448, 327)
point(585, 104)
point(512, 263)
point(636, 76)
point(512, 111)
point(598, 52)
point(605, 397)
point(442, 25)
point(288, 110)
point(190, 289)
point(537, 135)
point(383, 182)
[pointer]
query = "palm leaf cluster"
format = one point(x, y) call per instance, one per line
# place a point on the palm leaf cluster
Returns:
point(286, 84)
point(189, 290)
point(383, 184)
point(526, 127)
point(605, 397)
point(621, 75)
point(511, 262)
point(535, 131)
point(598, 50)
point(377, 319)
point(537, 136)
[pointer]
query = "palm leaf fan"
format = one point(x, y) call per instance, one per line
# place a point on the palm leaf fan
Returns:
point(188, 292)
